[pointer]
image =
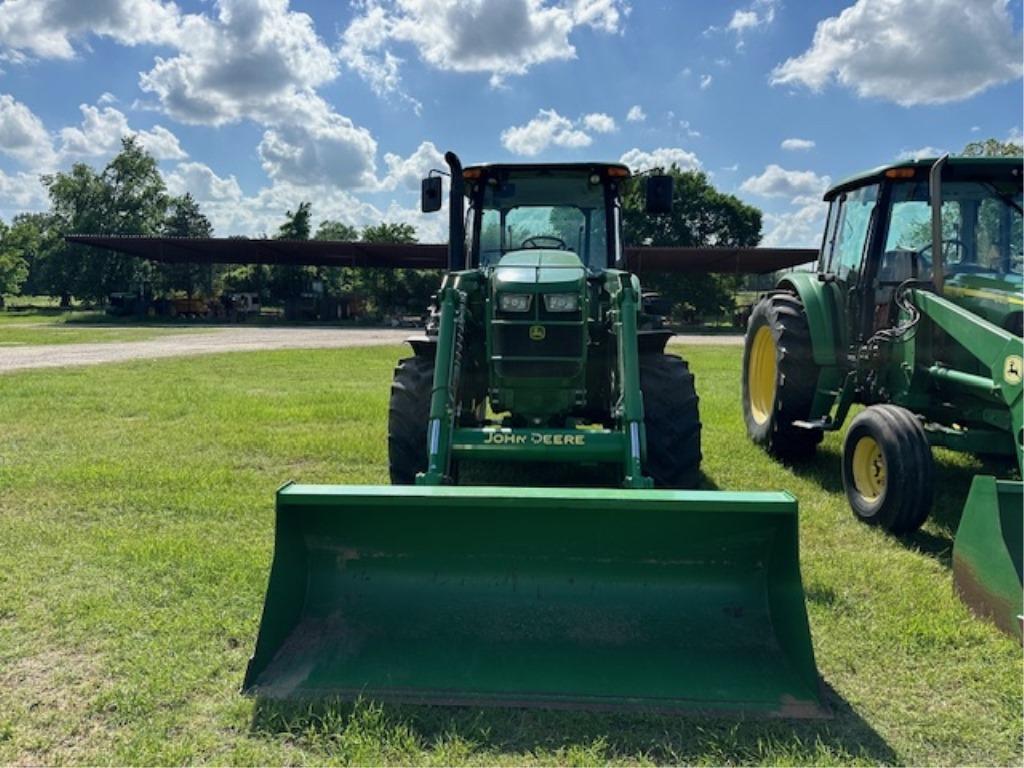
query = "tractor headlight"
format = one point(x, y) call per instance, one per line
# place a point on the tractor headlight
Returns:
point(514, 302)
point(562, 302)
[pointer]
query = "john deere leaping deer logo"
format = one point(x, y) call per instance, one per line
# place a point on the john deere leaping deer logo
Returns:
point(537, 333)
point(1013, 369)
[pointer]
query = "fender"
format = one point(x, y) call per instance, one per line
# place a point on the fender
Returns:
point(819, 300)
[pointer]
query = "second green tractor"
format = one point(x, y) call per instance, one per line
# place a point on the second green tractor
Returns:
point(914, 310)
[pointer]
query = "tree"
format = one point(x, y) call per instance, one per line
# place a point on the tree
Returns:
point(338, 280)
point(701, 216)
point(391, 290)
point(335, 230)
point(184, 219)
point(297, 225)
point(993, 148)
point(29, 237)
point(127, 198)
point(13, 266)
point(290, 280)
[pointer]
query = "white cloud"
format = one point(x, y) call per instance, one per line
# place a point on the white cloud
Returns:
point(21, 193)
point(760, 13)
point(202, 183)
point(546, 129)
point(692, 132)
point(599, 122)
point(705, 82)
point(779, 182)
point(234, 213)
point(636, 114)
point(663, 157)
point(797, 144)
point(799, 228)
point(100, 132)
point(911, 51)
point(47, 28)
point(256, 60)
point(260, 61)
point(742, 20)
point(407, 172)
point(23, 135)
point(496, 37)
point(913, 154)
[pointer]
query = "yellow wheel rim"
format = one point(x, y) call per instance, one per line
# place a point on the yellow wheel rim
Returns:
point(761, 375)
point(869, 473)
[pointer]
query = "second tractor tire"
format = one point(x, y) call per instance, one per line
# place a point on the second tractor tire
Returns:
point(888, 472)
point(779, 377)
point(671, 421)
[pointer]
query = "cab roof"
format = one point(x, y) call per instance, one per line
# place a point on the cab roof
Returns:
point(581, 167)
point(921, 166)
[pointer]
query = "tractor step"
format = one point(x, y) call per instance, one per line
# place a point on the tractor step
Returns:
point(825, 424)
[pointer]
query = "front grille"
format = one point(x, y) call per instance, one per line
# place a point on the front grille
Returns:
point(558, 341)
point(537, 369)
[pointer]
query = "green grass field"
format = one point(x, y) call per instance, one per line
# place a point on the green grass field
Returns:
point(136, 513)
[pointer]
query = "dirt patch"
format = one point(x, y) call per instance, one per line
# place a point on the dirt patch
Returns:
point(47, 705)
point(185, 344)
point(237, 340)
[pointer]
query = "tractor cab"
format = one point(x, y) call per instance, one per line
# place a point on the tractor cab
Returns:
point(565, 208)
point(879, 235)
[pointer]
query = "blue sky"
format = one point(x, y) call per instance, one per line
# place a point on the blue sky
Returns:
point(255, 105)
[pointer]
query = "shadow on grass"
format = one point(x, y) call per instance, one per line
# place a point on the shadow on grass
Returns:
point(554, 736)
point(952, 483)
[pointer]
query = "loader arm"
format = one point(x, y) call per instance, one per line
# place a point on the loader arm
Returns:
point(997, 349)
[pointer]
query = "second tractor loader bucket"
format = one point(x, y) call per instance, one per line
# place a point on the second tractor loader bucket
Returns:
point(987, 552)
point(668, 600)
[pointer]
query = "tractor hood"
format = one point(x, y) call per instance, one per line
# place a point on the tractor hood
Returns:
point(540, 270)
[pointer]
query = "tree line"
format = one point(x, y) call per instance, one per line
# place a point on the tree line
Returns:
point(129, 197)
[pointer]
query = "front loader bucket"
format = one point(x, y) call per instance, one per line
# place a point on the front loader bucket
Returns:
point(987, 552)
point(585, 598)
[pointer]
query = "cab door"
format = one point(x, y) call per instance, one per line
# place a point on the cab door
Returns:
point(846, 252)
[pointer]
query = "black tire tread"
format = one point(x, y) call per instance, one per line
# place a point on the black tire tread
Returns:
point(408, 414)
point(910, 468)
point(796, 380)
point(671, 421)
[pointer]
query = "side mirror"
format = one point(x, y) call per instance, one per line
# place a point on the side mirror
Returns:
point(430, 194)
point(659, 194)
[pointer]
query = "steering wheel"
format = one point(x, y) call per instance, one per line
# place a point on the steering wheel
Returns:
point(926, 260)
point(544, 241)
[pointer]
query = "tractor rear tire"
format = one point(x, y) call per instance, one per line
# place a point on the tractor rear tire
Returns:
point(408, 414)
point(888, 472)
point(779, 377)
point(671, 421)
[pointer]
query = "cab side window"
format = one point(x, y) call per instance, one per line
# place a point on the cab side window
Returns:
point(852, 227)
point(829, 240)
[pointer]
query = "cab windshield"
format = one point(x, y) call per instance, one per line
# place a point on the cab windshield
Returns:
point(981, 226)
point(559, 210)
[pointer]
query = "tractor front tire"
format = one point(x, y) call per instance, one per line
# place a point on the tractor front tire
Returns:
point(408, 414)
point(671, 421)
point(779, 377)
point(888, 470)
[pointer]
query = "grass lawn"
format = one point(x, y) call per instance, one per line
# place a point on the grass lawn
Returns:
point(136, 514)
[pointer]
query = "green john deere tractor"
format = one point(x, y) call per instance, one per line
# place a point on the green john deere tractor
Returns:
point(541, 349)
point(915, 311)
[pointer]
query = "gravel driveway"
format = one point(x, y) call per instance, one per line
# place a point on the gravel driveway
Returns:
point(231, 340)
